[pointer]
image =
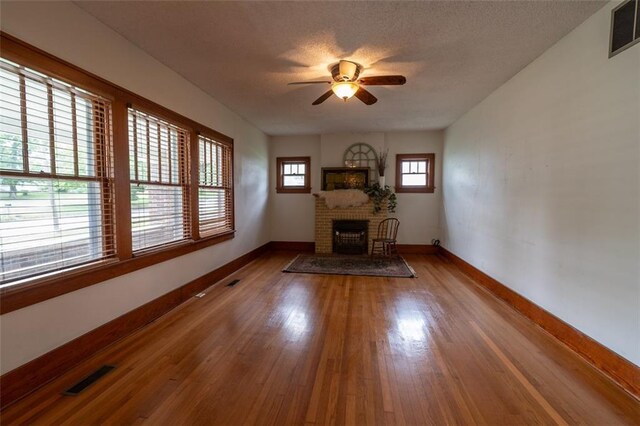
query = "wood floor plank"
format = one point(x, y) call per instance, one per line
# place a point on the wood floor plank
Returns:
point(297, 349)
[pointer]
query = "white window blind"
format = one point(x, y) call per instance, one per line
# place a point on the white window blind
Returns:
point(158, 155)
point(56, 204)
point(215, 186)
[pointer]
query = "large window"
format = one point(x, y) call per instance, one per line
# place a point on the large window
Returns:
point(158, 165)
point(215, 187)
point(96, 181)
point(55, 175)
point(414, 172)
point(293, 175)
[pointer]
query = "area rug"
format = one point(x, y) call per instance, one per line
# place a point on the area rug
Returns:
point(351, 265)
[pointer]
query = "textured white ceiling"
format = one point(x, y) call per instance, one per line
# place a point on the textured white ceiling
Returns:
point(243, 53)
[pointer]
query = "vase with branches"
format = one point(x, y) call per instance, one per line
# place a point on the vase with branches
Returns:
point(382, 161)
point(382, 164)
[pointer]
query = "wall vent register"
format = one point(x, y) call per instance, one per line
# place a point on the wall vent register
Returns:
point(625, 26)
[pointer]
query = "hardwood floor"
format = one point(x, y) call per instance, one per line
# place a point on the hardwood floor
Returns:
point(294, 348)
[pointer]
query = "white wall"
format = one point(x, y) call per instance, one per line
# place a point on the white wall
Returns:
point(293, 215)
point(66, 31)
point(542, 185)
point(419, 214)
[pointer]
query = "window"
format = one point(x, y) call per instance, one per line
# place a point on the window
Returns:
point(158, 157)
point(293, 175)
point(414, 172)
point(56, 186)
point(92, 188)
point(215, 186)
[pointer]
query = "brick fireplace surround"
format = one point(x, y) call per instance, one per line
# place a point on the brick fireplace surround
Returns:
point(325, 217)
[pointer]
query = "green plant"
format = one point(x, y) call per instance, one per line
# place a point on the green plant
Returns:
point(381, 196)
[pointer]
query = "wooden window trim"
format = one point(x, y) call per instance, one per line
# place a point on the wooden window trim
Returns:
point(429, 187)
point(280, 188)
point(42, 288)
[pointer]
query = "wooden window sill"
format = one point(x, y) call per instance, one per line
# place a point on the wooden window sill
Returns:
point(38, 290)
point(293, 190)
point(401, 190)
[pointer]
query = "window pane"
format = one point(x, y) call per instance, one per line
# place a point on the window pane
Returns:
point(294, 180)
point(38, 127)
point(156, 215)
point(202, 163)
point(141, 136)
point(133, 150)
point(65, 160)
point(287, 169)
point(212, 204)
point(47, 225)
point(414, 180)
point(301, 168)
point(154, 157)
point(164, 154)
point(84, 134)
point(175, 159)
point(10, 128)
point(218, 166)
point(405, 166)
point(422, 166)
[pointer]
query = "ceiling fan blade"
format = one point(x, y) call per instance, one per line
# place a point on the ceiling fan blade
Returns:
point(365, 96)
point(308, 82)
point(323, 98)
point(384, 80)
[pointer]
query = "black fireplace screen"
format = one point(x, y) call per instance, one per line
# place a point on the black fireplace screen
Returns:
point(350, 236)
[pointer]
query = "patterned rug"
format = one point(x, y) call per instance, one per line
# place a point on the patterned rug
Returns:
point(350, 265)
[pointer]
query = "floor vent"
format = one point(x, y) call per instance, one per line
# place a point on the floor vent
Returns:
point(89, 380)
point(232, 283)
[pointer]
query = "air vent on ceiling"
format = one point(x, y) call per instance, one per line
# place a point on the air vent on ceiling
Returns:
point(625, 26)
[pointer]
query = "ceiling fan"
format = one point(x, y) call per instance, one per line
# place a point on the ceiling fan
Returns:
point(346, 84)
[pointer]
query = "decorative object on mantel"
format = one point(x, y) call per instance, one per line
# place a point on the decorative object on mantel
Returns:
point(381, 196)
point(344, 178)
point(395, 267)
point(362, 155)
point(343, 198)
point(382, 165)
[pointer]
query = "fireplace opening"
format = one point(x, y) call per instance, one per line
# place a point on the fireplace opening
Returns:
point(350, 236)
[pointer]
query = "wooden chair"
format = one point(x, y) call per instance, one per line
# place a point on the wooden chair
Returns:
point(385, 243)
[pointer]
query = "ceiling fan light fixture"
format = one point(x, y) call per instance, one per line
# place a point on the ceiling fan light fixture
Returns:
point(347, 70)
point(345, 90)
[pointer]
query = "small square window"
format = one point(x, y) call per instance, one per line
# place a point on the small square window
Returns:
point(293, 175)
point(414, 172)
